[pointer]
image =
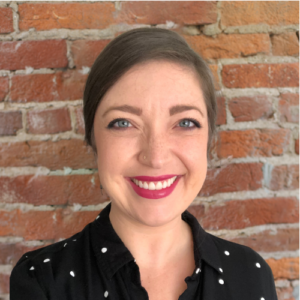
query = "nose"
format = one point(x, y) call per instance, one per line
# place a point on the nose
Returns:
point(155, 150)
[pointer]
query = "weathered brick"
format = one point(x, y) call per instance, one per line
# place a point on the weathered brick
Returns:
point(221, 115)
point(261, 75)
point(35, 54)
point(284, 177)
point(233, 178)
point(80, 127)
point(253, 142)
point(160, 12)
point(4, 283)
point(297, 146)
point(3, 87)
point(44, 225)
point(10, 122)
point(237, 214)
point(85, 52)
point(49, 121)
point(286, 293)
point(253, 108)
point(6, 20)
point(52, 190)
point(285, 44)
point(284, 268)
point(53, 155)
point(45, 16)
point(270, 240)
point(229, 45)
point(214, 70)
point(288, 107)
point(237, 13)
point(48, 87)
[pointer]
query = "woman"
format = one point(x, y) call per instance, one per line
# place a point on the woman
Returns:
point(149, 109)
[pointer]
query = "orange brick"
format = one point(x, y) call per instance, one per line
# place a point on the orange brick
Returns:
point(6, 20)
point(297, 146)
point(10, 122)
point(284, 177)
point(49, 121)
point(237, 214)
point(261, 75)
point(35, 54)
point(71, 153)
point(237, 13)
point(285, 44)
point(159, 12)
point(229, 45)
point(214, 70)
point(221, 115)
point(233, 178)
point(85, 52)
point(48, 87)
point(288, 107)
point(284, 268)
point(45, 16)
point(3, 87)
point(253, 142)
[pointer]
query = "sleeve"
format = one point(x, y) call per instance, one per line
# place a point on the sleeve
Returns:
point(24, 284)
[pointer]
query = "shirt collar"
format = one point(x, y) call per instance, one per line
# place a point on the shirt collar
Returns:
point(111, 253)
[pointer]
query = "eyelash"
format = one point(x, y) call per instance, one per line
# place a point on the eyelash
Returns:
point(112, 123)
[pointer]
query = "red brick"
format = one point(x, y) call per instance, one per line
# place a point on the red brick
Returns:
point(3, 87)
point(297, 146)
point(159, 12)
point(270, 240)
point(35, 54)
point(85, 52)
point(284, 177)
point(253, 108)
point(288, 107)
point(233, 178)
point(237, 13)
point(44, 225)
point(284, 268)
point(45, 16)
point(237, 214)
point(52, 190)
point(10, 122)
point(49, 121)
point(4, 283)
point(286, 44)
point(221, 115)
point(6, 20)
point(53, 155)
point(214, 70)
point(261, 75)
point(229, 45)
point(253, 142)
point(80, 127)
point(48, 87)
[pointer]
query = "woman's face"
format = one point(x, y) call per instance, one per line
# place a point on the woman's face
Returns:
point(151, 126)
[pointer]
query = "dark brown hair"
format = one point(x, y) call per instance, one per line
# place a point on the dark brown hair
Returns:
point(134, 47)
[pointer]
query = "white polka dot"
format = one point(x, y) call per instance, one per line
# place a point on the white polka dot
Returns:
point(74, 240)
point(226, 253)
point(46, 260)
point(26, 256)
point(97, 217)
point(262, 298)
point(257, 265)
point(106, 294)
point(72, 274)
point(221, 281)
point(65, 244)
point(32, 268)
point(103, 250)
point(221, 270)
point(135, 260)
point(198, 270)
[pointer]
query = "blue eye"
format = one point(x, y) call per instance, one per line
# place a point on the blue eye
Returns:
point(119, 123)
point(189, 123)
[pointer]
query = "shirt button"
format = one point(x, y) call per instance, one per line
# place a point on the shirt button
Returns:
point(221, 281)
point(106, 294)
point(257, 265)
point(198, 270)
point(103, 250)
point(226, 253)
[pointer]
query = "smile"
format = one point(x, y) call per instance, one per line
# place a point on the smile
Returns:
point(158, 185)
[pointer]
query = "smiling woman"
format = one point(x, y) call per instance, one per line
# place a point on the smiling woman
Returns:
point(149, 109)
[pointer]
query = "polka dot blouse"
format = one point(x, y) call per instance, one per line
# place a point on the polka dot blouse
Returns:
point(95, 264)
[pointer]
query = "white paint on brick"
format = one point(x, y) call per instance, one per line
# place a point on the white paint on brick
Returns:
point(6, 269)
point(279, 255)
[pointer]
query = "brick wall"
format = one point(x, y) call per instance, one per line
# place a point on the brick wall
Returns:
point(49, 187)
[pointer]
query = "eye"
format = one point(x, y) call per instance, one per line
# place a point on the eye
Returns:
point(189, 123)
point(119, 123)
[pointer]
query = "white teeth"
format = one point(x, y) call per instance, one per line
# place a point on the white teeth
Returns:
point(158, 185)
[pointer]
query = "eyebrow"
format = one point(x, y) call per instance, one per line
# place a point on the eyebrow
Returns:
point(138, 111)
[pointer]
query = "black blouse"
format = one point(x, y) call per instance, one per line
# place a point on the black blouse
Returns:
point(94, 264)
